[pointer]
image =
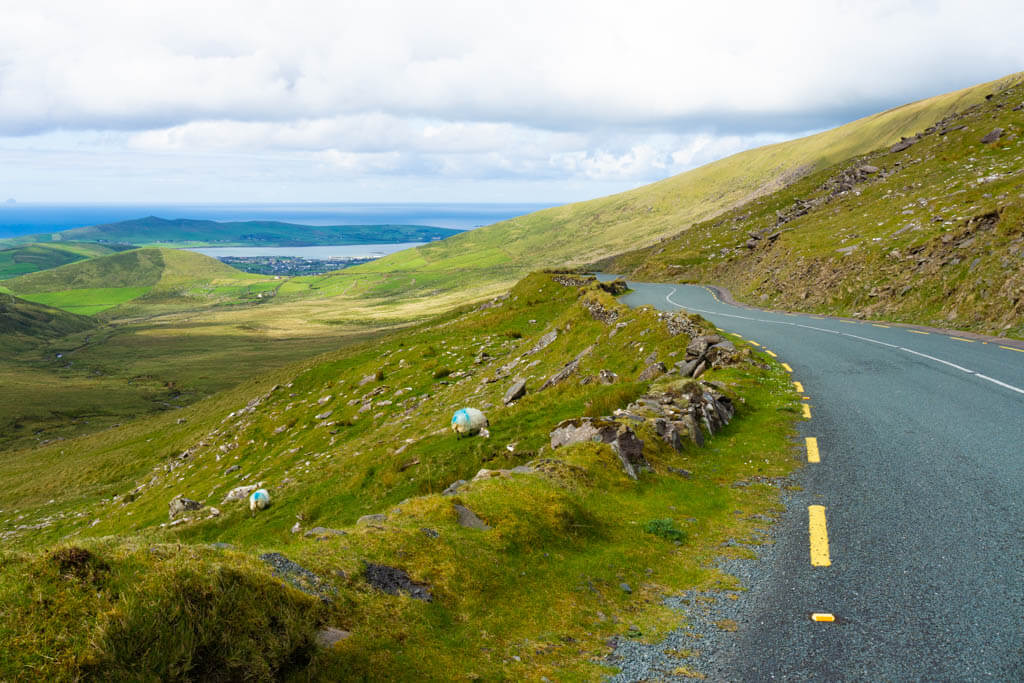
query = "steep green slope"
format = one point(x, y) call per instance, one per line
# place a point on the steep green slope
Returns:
point(25, 322)
point(929, 231)
point(34, 257)
point(364, 431)
point(490, 258)
point(184, 231)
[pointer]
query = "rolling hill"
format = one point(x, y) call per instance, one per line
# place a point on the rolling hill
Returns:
point(179, 232)
point(929, 230)
point(487, 260)
point(33, 257)
point(160, 275)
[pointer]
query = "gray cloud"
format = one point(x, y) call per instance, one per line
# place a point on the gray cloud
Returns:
point(467, 90)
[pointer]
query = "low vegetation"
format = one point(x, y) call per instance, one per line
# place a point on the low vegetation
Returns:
point(575, 550)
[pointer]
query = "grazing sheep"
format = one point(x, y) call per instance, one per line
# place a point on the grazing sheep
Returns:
point(468, 421)
point(259, 500)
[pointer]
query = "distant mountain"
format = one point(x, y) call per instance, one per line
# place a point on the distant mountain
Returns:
point(184, 231)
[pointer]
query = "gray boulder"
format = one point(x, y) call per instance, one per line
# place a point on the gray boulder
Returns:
point(469, 519)
point(515, 392)
point(651, 371)
point(240, 493)
point(992, 136)
point(180, 504)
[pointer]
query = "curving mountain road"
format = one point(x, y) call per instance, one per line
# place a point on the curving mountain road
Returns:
point(921, 477)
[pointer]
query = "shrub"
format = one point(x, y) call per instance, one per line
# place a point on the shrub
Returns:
point(665, 528)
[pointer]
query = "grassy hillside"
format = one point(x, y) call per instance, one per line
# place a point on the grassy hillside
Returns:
point(930, 232)
point(575, 551)
point(25, 322)
point(30, 258)
point(489, 259)
point(95, 285)
point(189, 232)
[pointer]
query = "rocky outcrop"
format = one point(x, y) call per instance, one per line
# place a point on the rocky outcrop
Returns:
point(395, 581)
point(704, 352)
point(619, 436)
point(569, 369)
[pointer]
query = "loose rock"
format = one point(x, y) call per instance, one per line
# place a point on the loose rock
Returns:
point(180, 504)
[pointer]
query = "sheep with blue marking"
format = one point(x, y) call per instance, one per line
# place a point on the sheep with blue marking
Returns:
point(468, 421)
point(258, 500)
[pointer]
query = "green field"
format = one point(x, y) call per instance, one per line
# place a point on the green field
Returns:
point(87, 301)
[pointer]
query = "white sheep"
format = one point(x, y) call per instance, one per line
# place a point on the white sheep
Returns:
point(468, 421)
point(258, 500)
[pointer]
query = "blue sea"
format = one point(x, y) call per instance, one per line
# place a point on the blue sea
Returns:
point(25, 219)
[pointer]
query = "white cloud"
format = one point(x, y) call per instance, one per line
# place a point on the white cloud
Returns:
point(601, 92)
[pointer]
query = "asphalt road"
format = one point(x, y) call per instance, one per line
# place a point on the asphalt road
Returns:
point(921, 474)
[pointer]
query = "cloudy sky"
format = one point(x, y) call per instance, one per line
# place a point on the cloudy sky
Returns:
point(398, 101)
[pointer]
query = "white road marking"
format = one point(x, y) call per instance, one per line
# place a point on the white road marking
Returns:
point(668, 298)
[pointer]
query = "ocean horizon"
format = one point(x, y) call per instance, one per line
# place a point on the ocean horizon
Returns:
point(28, 218)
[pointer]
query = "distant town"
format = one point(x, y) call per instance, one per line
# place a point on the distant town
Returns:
point(289, 265)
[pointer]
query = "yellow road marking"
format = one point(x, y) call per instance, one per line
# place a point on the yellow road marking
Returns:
point(850, 322)
point(823, 616)
point(812, 450)
point(1010, 348)
point(785, 366)
point(751, 341)
point(799, 387)
point(917, 331)
point(771, 353)
point(969, 341)
point(878, 325)
point(807, 410)
point(817, 317)
point(819, 536)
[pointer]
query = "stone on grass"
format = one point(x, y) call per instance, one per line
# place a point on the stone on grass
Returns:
point(327, 637)
point(469, 519)
point(515, 392)
point(395, 581)
point(180, 504)
point(239, 493)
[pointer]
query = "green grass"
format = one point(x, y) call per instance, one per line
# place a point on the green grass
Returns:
point(88, 301)
point(542, 586)
point(935, 238)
